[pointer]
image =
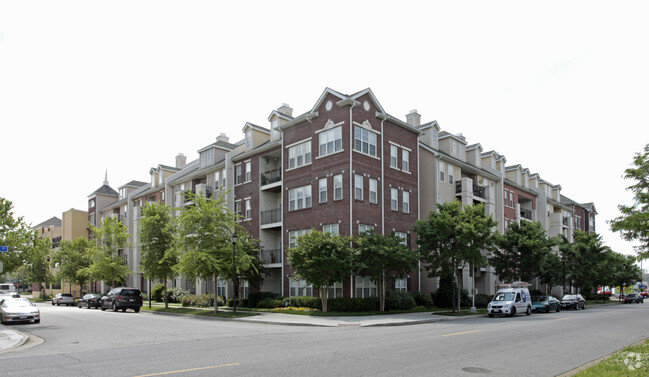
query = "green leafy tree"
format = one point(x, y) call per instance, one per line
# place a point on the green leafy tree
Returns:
point(322, 259)
point(550, 273)
point(14, 234)
point(626, 271)
point(521, 252)
point(36, 262)
point(454, 237)
point(383, 258)
point(203, 239)
point(108, 263)
point(589, 254)
point(157, 237)
point(74, 258)
point(632, 223)
point(249, 247)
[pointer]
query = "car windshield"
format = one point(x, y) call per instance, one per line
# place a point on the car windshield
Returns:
point(17, 303)
point(540, 299)
point(66, 295)
point(504, 296)
point(93, 295)
point(569, 297)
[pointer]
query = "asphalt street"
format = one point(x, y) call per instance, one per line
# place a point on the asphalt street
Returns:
point(82, 342)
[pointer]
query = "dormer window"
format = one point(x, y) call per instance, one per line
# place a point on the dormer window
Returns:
point(206, 157)
point(435, 138)
point(249, 139)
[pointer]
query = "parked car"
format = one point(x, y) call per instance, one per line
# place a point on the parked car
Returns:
point(90, 300)
point(546, 304)
point(122, 298)
point(633, 298)
point(9, 295)
point(644, 294)
point(509, 301)
point(573, 302)
point(18, 310)
point(63, 298)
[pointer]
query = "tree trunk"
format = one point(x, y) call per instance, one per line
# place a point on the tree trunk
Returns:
point(380, 285)
point(216, 297)
point(165, 295)
point(458, 279)
point(323, 298)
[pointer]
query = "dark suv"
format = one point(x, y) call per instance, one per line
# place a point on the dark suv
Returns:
point(122, 298)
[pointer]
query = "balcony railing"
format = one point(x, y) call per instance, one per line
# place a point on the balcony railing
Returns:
point(271, 255)
point(271, 177)
point(271, 216)
point(565, 220)
point(478, 191)
point(526, 214)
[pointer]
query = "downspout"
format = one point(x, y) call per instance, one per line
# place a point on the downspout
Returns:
point(283, 207)
point(383, 117)
point(418, 210)
point(351, 188)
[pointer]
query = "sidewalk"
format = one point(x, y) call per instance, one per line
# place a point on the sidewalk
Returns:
point(10, 339)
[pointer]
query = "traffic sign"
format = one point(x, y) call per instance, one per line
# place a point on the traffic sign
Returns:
point(4, 249)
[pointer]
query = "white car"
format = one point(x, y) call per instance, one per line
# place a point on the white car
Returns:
point(19, 310)
point(510, 301)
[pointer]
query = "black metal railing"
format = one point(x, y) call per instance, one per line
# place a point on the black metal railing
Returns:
point(526, 214)
point(479, 191)
point(271, 255)
point(271, 216)
point(271, 177)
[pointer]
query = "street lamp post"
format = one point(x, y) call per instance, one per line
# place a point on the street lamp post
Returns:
point(234, 272)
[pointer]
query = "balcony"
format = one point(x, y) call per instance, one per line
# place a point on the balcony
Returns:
point(526, 214)
point(271, 176)
point(478, 191)
point(271, 256)
point(271, 216)
point(565, 220)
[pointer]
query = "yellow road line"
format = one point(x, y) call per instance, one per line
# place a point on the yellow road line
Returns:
point(460, 333)
point(188, 370)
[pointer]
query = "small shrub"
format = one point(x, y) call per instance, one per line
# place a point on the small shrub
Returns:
point(304, 302)
point(270, 303)
point(198, 301)
point(422, 299)
point(176, 294)
point(398, 300)
point(157, 292)
point(256, 297)
point(481, 300)
point(345, 304)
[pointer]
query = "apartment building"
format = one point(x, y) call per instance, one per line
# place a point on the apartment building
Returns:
point(344, 166)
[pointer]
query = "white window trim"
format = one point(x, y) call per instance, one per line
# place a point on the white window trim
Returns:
point(288, 157)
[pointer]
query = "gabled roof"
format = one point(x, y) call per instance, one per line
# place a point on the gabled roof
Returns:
point(54, 221)
point(105, 190)
point(255, 127)
point(221, 145)
point(429, 125)
point(164, 167)
point(134, 184)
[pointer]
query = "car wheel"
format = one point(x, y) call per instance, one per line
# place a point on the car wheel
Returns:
point(124, 310)
point(558, 308)
point(52, 302)
point(37, 321)
point(87, 305)
point(529, 310)
point(491, 315)
point(584, 307)
point(102, 308)
point(137, 309)
point(114, 307)
point(547, 310)
point(79, 305)
point(513, 312)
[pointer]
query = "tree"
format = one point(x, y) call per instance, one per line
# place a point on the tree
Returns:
point(159, 255)
point(626, 271)
point(588, 260)
point(550, 273)
point(383, 258)
point(74, 259)
point(203, 239)
point(14, 234)
point(249, 246)
point(521, 252)
point(36, 262)
point(108, 263)
point(632, 223)
point(453, 237)
point(322, 259)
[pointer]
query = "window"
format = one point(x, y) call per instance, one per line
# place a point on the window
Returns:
point(358, 187)
point(245, 289)
point(331, 141)
point(401, 284)
point(405, 160)
point(406, 202)
point(365, 287)
point(330, 228)
point(364, 141)
point(373, 191)
point(206, 158)
point(450, 174)
point(217, 180)
point(455, 148)
point(299, 198)
point(221, 287)
point(293, 236)
point(248, 139)
point(299, 155)
point(300, 288)
point(362, 228)
point(442, 171)
point(336, 290)
point(237, 208)
point(403, 236)
point(239, 177)
point(338, 187)
point(322, 189)
point(394, 163)
point(248, 171)
point(394, 199)
point(511, 199)
point(248, 209)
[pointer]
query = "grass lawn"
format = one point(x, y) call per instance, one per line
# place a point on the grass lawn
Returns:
point(631, 361)
point(207, 312)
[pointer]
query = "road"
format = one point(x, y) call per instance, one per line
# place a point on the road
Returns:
point(82, 342)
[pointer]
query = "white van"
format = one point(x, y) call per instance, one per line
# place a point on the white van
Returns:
point(510, 301)
point(7, 287)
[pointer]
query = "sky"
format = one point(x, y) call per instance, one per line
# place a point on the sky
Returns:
point(89, 88)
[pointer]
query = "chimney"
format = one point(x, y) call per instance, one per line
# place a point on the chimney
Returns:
point(413, 118)
point(181, 160)
point(222, 137)
point(285, 109)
